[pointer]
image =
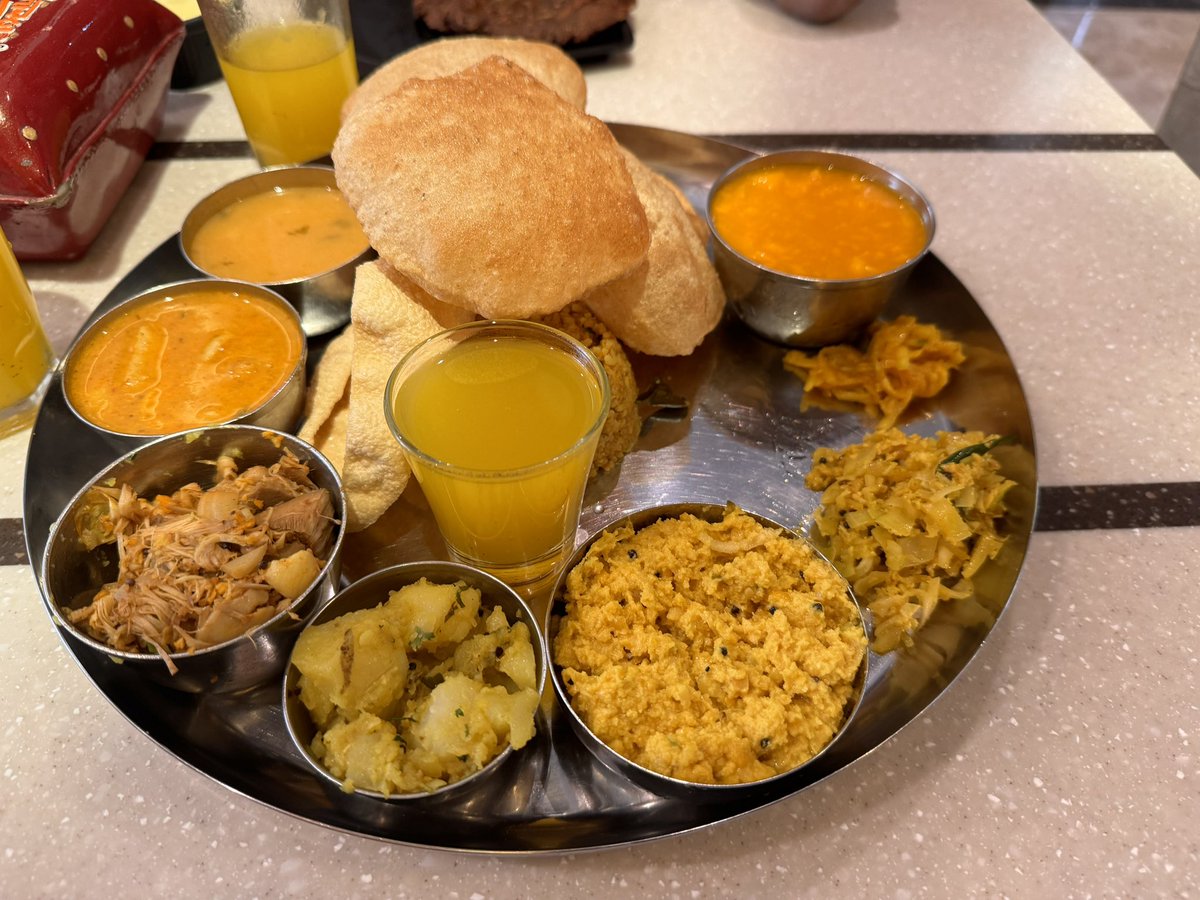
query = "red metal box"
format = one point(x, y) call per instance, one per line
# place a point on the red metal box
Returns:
point(82, 90)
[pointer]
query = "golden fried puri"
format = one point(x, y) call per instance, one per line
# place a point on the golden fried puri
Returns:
point(491, 192)
point(545, 62)
point(669, 308)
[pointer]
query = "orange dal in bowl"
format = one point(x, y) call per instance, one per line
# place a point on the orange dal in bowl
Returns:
point(198, 357)
point(817, 222)
point(279, 235)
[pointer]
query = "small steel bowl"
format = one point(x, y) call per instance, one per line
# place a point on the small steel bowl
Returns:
point(810, 312)
point(648, 778)
point(280, 410)
point(71, 575)
point(369, 592)
point(322, 299)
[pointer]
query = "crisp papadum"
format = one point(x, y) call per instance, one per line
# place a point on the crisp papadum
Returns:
point(545, 62)
point(680, 299)
point(390, 316)
point(327, 402)
point(491, 192)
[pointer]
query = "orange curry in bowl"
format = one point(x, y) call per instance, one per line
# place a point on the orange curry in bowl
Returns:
point(817, 221)
point(198, 354)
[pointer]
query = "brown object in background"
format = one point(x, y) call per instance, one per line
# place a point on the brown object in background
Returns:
point(556, 21)
point(84, 89)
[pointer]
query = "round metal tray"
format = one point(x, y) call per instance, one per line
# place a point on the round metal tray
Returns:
point(725, 425)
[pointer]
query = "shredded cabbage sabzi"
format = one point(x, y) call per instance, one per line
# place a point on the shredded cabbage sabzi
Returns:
point(909, 520)
point(905, 360)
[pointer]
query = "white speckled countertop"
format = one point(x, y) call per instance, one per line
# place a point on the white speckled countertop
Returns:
point(1061, 764)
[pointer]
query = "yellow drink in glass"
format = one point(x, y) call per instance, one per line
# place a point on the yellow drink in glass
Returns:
point(289, 82)
point(499, 421)
point(25, 355)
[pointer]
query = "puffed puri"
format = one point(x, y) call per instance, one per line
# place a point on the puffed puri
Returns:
point(491, 192)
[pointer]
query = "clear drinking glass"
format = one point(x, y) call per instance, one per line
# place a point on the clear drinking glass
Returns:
point(289, 65)
point(499, 421)
point(26, 359)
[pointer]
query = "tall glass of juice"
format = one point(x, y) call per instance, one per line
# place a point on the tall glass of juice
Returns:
point(26, 359)
point(289, 65)
point(499, 421)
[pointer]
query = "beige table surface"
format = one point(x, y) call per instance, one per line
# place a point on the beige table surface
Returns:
point(1062, 764)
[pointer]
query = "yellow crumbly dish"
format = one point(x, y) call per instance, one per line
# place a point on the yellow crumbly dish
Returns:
point(909, 521)
point(717, 653)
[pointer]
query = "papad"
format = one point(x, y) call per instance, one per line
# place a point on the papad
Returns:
point(327, 402)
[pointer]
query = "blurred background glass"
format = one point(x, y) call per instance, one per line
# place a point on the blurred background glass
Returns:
point(26, 359)
point(289, 65)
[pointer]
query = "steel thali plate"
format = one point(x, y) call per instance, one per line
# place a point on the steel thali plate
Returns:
point(742, 437)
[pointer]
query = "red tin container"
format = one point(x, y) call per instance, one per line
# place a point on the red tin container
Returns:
point(82, 91)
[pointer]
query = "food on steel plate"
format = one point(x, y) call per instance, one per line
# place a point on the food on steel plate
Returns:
point(910, 520)
point(418, 692)
point(905, 360)
point(201, 567)
point(717, 653)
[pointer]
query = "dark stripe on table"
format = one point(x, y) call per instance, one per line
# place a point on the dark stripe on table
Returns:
point(1187, 5)
point(1066, 508)
point(170, 150)
point(954, 142)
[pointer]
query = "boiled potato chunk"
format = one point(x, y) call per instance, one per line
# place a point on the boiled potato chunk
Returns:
point(356, 662)
point(360, 752)
point(292, 575)
point(438, 615)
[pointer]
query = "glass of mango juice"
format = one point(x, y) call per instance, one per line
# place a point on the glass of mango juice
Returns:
point(499, 421)
point(289, 65)
point(26, 359)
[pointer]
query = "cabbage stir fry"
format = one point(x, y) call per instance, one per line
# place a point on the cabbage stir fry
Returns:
point(201, 567)
point(909, 520)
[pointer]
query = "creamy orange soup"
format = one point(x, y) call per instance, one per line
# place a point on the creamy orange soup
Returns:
point(199, 357)
point(279, 235)
point(817, 222)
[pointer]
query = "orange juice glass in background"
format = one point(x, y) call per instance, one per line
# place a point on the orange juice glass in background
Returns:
point(25, 355)
point(499, 421)
point(289, 65)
